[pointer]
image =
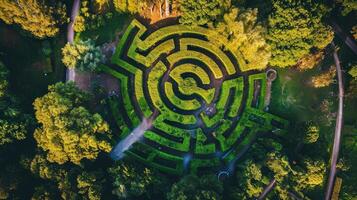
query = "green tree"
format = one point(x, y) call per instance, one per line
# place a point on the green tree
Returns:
point(353, 71)
point(130, 6)
point(251, 181)
point(312, 134)
point(13, 123)
point(240, 32)
point(82, 55)
point(348, 6)
point(201, 12)
point(295, 27)
point(68, 131)
point(132, 181)
point(31, 15)
point(4, 73)
point(192, 187)
point(67, 182)
point(90, 185)
point(313, 176)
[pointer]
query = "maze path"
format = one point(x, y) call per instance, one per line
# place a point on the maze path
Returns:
point(207, 107)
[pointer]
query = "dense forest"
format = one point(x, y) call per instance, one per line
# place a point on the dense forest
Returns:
point(58, 122)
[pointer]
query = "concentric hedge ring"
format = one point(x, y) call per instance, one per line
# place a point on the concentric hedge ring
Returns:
point(206, 106)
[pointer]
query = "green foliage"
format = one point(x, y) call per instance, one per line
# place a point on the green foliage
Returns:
point(251, 181)
point(353, 71)
point(295, 27)
point(31, 15)
point(279, 165)
point(240, 32)
point(82, 55)
point(12, 176)
point(201, 12)
point(90, 184)
point(69, 183)
point(130, 6)
point(4, 73)
point(13, 123)
point(68, 131)
point(348, 6)
point(192, 187)
point(131, 181)
point(87, 20)
point(312, 134)
point(313, 176)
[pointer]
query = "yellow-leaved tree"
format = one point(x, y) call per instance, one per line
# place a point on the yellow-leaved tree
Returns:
point(68, 131)
point(31, 15)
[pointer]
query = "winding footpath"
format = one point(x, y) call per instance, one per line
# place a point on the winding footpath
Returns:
point(70, 73)
point(338, 128)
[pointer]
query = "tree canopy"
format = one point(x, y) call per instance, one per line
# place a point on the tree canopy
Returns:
point(193, 187)
point(82, 55)
point(295, 27)
point(241, 33)
point(131, 181)
point(14, 123)
point(201, 12)
point(68, 131)
point(31, 15)
point(130, 6)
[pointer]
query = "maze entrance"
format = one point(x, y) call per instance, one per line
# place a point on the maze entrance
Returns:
point(205, 109)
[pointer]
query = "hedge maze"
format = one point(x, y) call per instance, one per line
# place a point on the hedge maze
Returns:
point(202, 103)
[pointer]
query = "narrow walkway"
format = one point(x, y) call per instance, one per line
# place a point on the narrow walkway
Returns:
point(267, 189)
point(70, 73)
point(338, 128)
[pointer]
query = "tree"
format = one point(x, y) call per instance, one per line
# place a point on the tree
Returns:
point(72, 182)
point(4, 73)
point(309, 61)
point(324, 79)
point(313, 176)
point(31, 15)
point(279, 165)
point(132, 181)
point(312, 134)
point(240, 32)
point(295, 28)
point(90, 185)
point(130, 6)
point(348, 6)
point(82, 55)
point(13, 123)
point(68, 131)
point(353, 72)
point(192, 187)
point(201, 12)
point(251, 181)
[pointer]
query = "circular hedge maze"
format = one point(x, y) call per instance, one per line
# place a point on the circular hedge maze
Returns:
point(205, 108)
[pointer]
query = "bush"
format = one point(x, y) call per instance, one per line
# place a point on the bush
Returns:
point(82, 55)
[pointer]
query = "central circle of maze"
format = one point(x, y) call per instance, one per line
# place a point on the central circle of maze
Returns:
point(205, 108)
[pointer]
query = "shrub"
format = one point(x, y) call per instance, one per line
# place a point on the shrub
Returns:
point(82, 55)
